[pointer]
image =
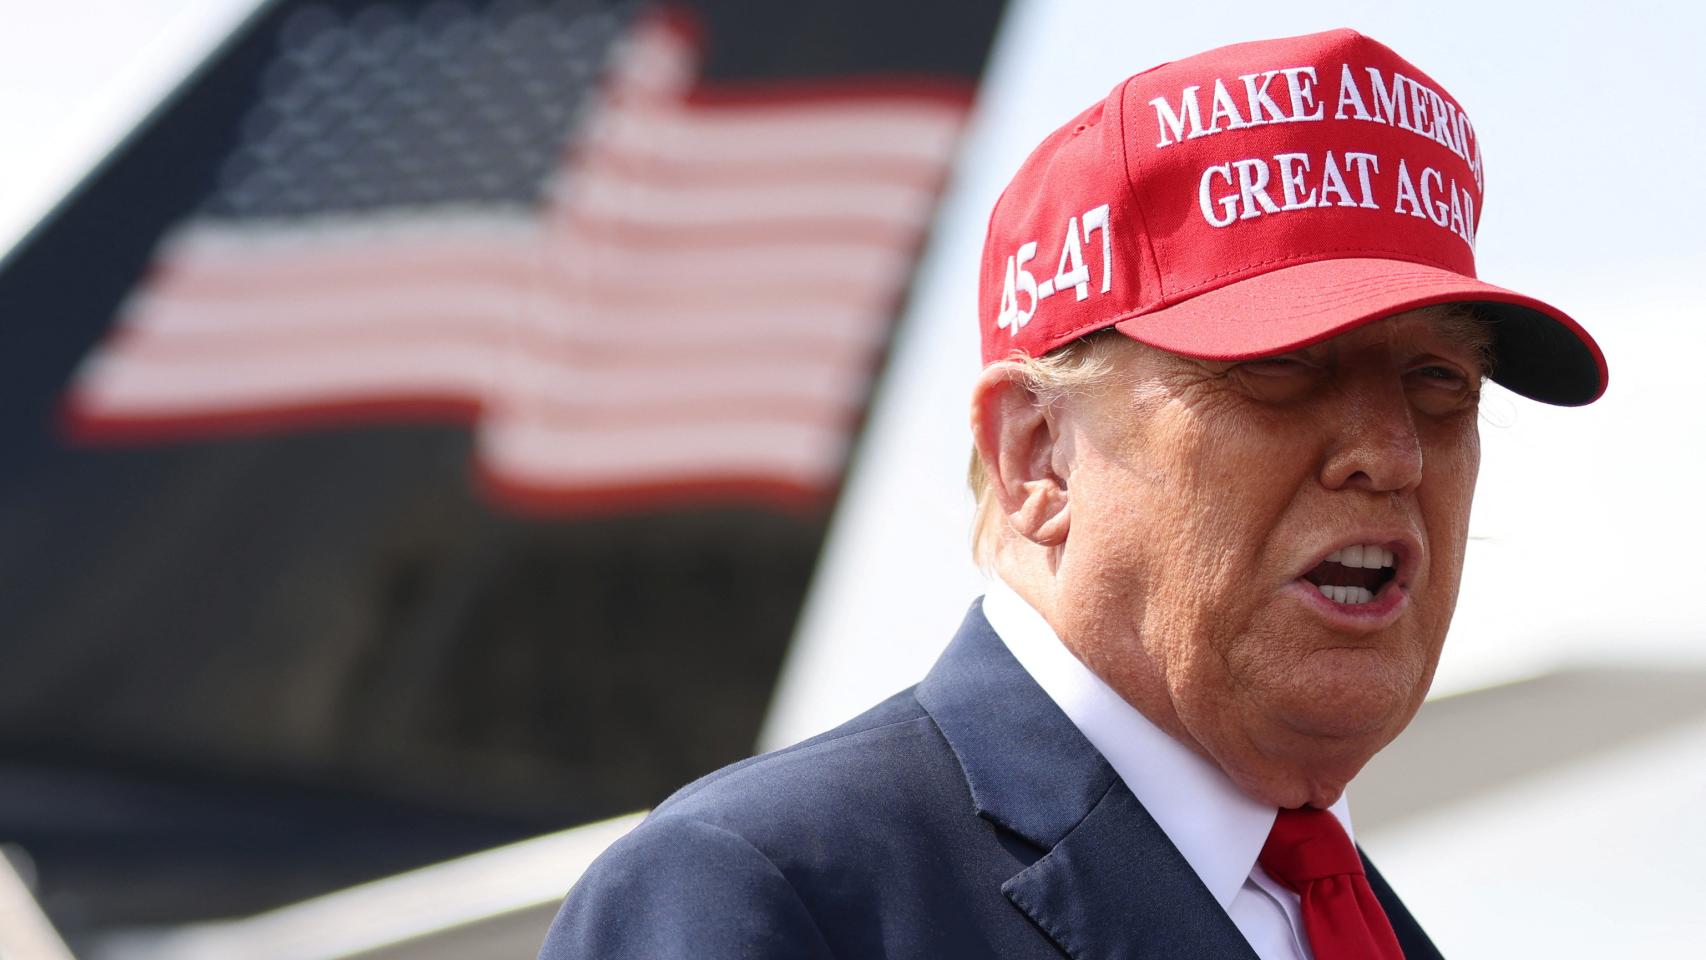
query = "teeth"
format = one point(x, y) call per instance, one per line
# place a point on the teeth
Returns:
point(1363, 555)
point(1351, 596)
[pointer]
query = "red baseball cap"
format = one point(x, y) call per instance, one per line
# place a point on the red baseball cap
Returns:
point(1255, 199)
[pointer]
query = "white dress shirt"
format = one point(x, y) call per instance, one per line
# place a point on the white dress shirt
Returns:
point(1218, 829)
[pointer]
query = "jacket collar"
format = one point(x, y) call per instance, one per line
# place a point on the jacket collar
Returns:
point(1028, 767)
point(1109, 884)
point(1218, 829)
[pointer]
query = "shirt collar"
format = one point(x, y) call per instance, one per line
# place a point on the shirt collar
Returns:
point(1217, 829)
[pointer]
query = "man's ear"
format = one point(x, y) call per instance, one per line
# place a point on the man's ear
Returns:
point(1018, 440)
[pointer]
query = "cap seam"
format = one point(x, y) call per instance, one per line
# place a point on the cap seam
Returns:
point(1131, 192)
point(988, 233)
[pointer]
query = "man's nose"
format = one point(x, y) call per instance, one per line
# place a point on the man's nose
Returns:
point(1376, 445)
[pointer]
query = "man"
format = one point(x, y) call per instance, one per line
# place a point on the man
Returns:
point(1226, 444)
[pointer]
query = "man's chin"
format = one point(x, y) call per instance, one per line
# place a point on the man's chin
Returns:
point(1291, 768)
point(1308, 754)
point(1287, 785)
point(1351, 695)
point(1301, 758)
point(1344, 729)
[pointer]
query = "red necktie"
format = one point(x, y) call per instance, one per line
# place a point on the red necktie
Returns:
point(1309, 854)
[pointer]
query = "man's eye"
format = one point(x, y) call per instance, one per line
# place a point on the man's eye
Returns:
point(1277, 379)
point(1442, 376)
point(1443, 388)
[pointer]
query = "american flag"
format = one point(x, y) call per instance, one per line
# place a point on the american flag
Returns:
point(635, 287)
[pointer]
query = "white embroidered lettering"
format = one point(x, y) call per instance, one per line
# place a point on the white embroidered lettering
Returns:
point(1365, 163)
point(1407, 194)
point(1228, 204)
point(1333, 182)
point(1350, 96)
point(1438, 212)
point(1253, 188)
point(1300, 81)
point(1096, 218)
point(1292, 167)
point(1174, 121)
point(1223, 107)
point(1259, 100)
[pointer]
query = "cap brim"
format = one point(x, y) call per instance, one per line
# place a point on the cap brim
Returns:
point(1539, 351)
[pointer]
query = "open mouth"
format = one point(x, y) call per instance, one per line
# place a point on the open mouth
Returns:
point(1355, 574)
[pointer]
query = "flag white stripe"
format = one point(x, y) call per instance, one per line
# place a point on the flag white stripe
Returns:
point(530, 453)
point(480, 232)
point(858, 267)
point(622, 196)
point(159, 320)
point(593, 268)
point(131, 384)
point(469, 231)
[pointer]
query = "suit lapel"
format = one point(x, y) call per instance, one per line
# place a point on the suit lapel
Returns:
point(1116, 887)
point(1411, 937)
point(1110, 883)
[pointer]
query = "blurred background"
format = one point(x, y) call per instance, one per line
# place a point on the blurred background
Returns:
point(435, 431)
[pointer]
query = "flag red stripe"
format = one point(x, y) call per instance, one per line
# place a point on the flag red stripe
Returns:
point(88, 426)
point(164, 321)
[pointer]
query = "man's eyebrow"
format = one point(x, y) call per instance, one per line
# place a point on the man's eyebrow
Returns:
point(1467, 329)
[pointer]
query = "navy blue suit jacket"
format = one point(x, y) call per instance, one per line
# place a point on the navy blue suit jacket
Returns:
point(965, 817)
